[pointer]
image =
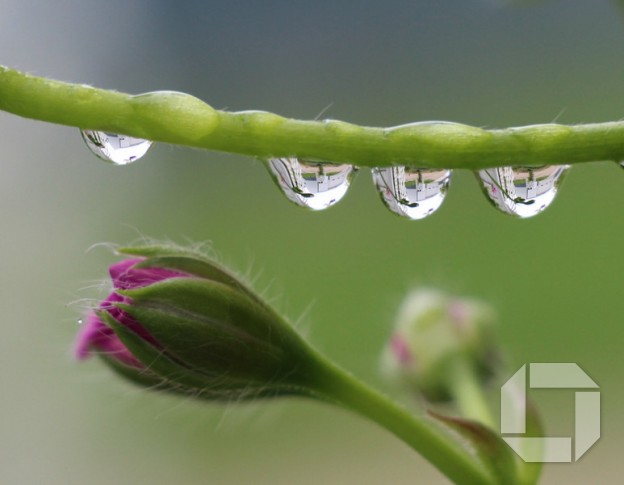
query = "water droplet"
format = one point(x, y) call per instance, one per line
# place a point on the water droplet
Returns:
point(414, 193)
point(522, 191)
point(79, 321)
point(118, 149)
point(314, 185)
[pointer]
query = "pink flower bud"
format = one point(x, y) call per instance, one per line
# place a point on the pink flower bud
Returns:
point(179, 322)
point(431, 332)
point(95, 336)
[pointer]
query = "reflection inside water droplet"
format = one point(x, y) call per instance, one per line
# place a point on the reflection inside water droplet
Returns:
point(118, 149)
point(314, 185)
point(412, 192)
point(522, 191)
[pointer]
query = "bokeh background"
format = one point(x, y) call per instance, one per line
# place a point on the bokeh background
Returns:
point(555, 279)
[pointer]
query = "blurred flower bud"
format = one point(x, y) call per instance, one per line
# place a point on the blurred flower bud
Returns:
point(433, 332)
point(177, 321)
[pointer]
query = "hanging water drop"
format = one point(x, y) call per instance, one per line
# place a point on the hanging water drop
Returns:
point(114, 148)
point(314, 185)
point(522, 191)
point(410, 192)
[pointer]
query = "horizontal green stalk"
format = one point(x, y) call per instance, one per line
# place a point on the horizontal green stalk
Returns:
point(182, 119)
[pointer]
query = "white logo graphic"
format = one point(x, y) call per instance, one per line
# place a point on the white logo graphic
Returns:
point(586, 415)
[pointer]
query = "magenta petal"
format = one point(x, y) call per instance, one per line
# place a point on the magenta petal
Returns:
point(91, 333)
point(117, 270)
point(401, 350)
point(124, 318)
point(126, 276)
point(95, 336)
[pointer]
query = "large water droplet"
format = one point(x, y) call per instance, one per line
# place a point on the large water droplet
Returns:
point(314, 185)
point(118, 149)
point(414, 193)
point(522, 191)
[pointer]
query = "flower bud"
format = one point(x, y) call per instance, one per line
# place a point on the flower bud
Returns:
point(433, 332)
point(178, 321)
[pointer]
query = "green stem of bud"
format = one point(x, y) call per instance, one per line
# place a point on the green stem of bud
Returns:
point(422, 434)
point(468, 393)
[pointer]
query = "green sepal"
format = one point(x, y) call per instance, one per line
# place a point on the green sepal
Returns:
point(155, 360)
point(148, 251)
point(218, 306)
point(209, 325)
point(486, 446)
point(187, 261)
point(141, 377)
point(165, 372)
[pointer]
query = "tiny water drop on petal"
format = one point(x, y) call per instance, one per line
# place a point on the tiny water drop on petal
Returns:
point(314, 185)
point(522, 191)
point(411, 192)
point(114, 148)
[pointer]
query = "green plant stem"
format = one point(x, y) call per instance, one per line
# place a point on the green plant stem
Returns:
point(472, 403)
point(468, 394)
point(421, 434)
point(182, 119)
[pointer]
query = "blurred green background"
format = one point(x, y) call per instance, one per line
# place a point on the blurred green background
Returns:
point(555, 279)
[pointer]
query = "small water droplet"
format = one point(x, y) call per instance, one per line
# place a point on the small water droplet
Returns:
point(522, 191)
point(314, 185)
point(411, 192)
point(79, 321)
point(114, 148)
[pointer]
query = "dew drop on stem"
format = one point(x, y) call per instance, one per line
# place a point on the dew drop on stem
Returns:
point(522, 191)
point(414, 193)
point(114, 148)
point(314, 185)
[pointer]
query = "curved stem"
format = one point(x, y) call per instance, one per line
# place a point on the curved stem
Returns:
point(421, 434)
point(182, 119)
